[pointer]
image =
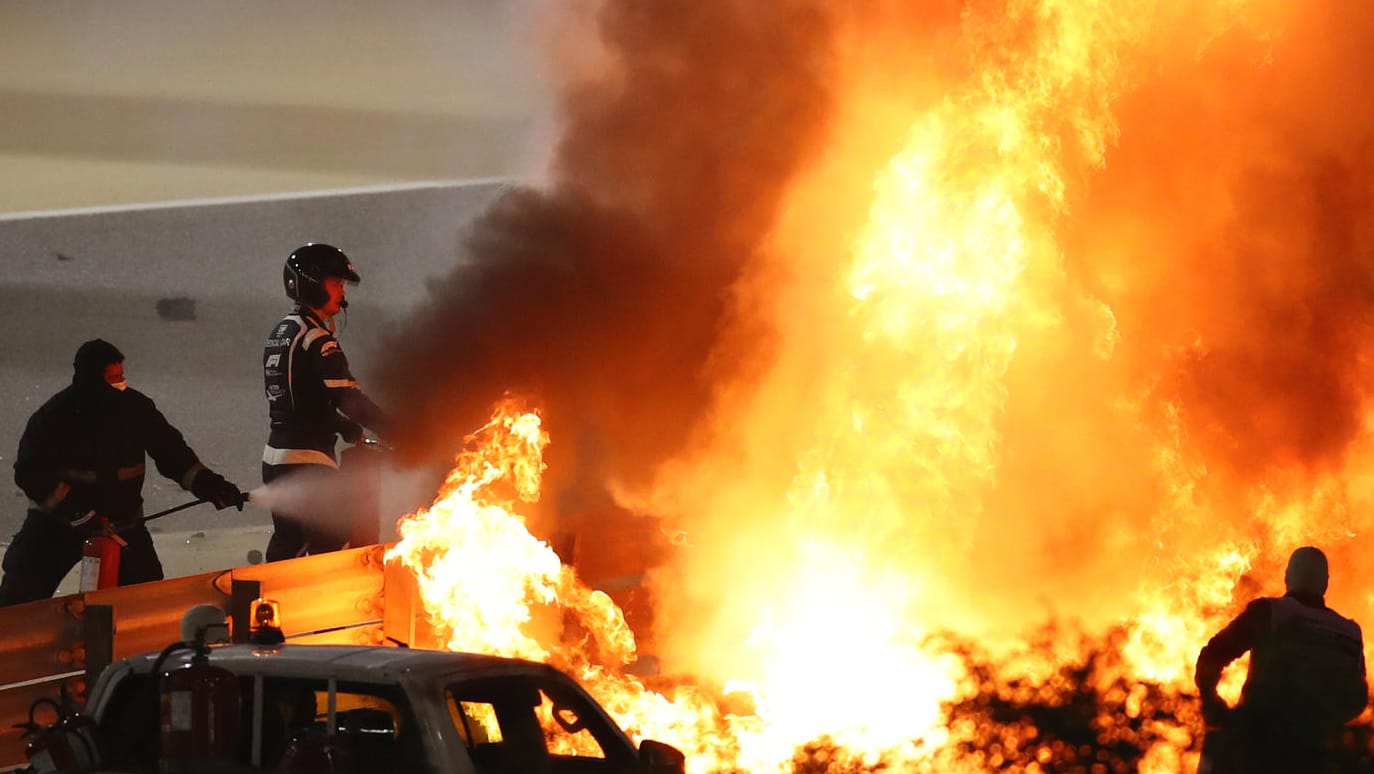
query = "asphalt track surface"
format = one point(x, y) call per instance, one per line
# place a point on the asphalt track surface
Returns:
point(159, 161)
point(143, 101)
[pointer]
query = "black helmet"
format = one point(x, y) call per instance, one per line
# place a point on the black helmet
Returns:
point(307, 268)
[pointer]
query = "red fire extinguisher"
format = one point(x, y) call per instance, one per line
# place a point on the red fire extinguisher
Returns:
point(200, 714)
point(100, 559)
point(69, 744)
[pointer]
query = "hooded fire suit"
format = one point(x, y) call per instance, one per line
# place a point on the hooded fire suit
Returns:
point(82, 459)
point(312, 400)
point(1306, 680)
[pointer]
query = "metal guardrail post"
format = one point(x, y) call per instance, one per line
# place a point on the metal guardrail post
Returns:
point(98, 630)
point(241, 596)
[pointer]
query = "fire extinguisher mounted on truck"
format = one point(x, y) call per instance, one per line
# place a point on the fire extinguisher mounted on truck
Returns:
point(199, 701)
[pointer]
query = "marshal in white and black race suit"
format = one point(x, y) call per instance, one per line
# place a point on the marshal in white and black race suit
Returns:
point(312, 399)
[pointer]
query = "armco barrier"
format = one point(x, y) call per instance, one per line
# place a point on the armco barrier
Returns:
point(52, 648)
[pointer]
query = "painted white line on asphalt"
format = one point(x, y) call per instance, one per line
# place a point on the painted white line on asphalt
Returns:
point(250, 199)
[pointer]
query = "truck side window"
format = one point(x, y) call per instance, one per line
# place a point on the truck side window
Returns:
point(495, 717)
point(288, 710)
point(526, 724)
point(475, 721)
point(373, 729)
point(565, 728)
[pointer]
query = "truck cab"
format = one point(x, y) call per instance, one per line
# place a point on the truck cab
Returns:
point(342, 708)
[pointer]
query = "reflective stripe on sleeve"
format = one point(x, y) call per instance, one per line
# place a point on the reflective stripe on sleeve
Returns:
point(273, 456)
point(89, 515)
point(91, 476)
point(335, 384)
point(190, 475)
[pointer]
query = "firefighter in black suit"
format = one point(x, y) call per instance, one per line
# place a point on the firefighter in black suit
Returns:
point(81, 461)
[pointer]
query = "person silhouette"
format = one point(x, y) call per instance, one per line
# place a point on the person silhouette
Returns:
point(1306, 678)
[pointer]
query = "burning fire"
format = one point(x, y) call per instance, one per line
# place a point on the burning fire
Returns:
point(968, 515)
point(485, 581)
point(480, 571)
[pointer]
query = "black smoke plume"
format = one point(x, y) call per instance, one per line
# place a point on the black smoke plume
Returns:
point(601, 294)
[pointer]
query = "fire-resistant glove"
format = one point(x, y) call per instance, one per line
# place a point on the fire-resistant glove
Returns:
point(216, 490)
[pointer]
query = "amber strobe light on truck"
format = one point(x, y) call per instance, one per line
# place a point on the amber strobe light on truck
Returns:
point(265, 626)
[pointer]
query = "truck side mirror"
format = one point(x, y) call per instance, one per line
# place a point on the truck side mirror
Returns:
point(659, 758)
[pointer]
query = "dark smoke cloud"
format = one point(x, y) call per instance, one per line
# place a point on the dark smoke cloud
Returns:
point(1288, 389)
point(601, 295)
point(1233, 235)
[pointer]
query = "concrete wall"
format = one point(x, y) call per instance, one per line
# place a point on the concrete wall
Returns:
point(158, 100)
point(214, 271)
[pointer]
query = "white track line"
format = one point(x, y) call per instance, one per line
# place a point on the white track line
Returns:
point(250, 199)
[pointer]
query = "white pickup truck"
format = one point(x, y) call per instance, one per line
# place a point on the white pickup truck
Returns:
point(390, 709)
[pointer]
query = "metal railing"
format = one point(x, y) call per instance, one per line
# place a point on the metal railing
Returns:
point(56, 648)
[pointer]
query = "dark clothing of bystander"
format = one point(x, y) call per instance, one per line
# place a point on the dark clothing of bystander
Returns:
point(1306, 679)
point(81, 460)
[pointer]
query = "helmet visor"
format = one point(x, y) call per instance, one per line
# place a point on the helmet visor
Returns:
point(343, 271)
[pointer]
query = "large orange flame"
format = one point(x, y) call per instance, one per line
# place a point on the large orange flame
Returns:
point(950, 434)
point(481, 573)
point(485, 580)
point(922, 347)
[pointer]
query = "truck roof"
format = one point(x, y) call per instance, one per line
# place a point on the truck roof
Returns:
point(362, 663)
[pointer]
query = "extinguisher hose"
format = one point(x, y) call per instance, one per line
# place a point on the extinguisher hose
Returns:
point(32, 726)
point(172, 510)
point(37, 732)
point(168, 512)
point(168, 651)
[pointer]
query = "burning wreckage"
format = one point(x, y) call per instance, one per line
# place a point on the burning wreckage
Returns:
point(990, 401)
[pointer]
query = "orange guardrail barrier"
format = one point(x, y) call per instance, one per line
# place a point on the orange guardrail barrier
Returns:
point(53, 647)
